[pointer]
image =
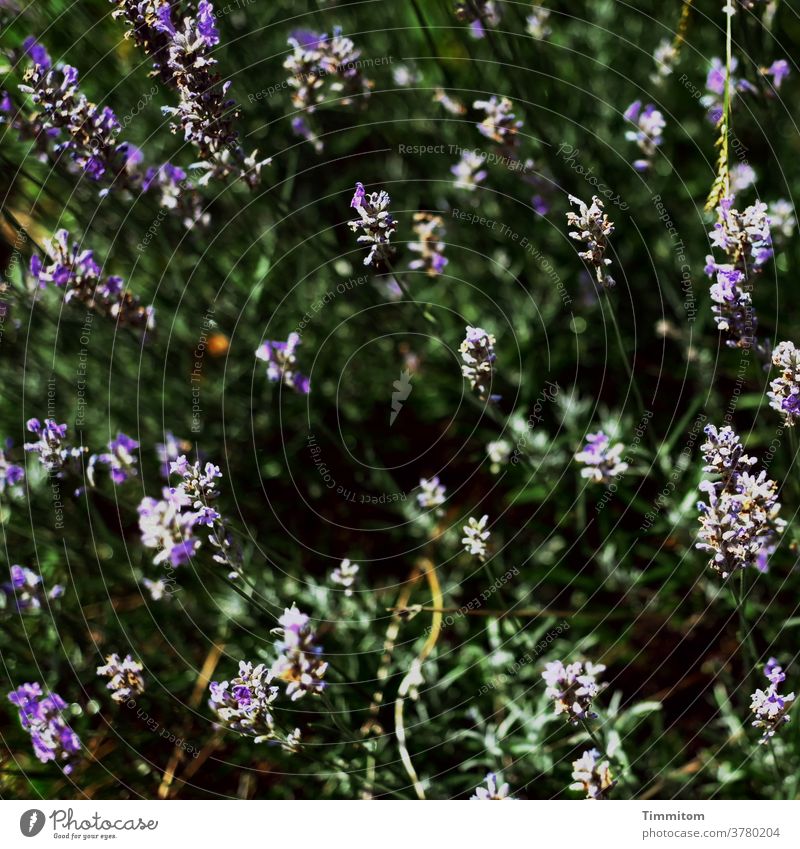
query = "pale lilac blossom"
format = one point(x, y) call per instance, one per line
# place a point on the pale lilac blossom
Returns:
point(491, 792)
point(591, 775)
point(770, 707)
point(572, 688)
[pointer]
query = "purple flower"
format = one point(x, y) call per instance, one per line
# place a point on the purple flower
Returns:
point(11, 475)
point(120, 459)
point(39, 56)
point(205, 24)
point(193, 497)
point(429, 230)
point(25, 590)
point(205, 115)
point(715, 85)
point(648, 134)
point(740, 523)
point(244, 704)
point(601, 460)
point(771, 709)
point(745, 239)
point(784, 391)
point(478, 14)
point(323, 69)
point(572, 688)
point(75, 270)
point(431, 494)
point(52, 739)
point(281, 361)
point(300, 662)
point(469, 170)
point(500, 124)
point(167, 526)
point(53, 453)
point(778, 70)
point(375, 223)
point(491, 792)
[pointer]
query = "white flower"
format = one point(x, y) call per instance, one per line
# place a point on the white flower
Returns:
point(432, 493)
point(475, 536)
point(498, 453)
point(345, 575)
point(491, 793)
point(591, 777)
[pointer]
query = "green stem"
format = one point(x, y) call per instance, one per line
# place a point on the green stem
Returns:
point(778, 775)
point(745, 637)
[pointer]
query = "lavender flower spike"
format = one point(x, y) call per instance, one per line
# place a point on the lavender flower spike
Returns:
point(431, 494)
point(180, 46)
point(300, 662)
point(745, 239)
point(591, 775)
point(740, 524)
point(475, 537)
point(375, 223)
point(25, 590)
point(648, 134)
point(771, 709)
point(491, 792)
point(11, 474)
point(500, 124)
point(478, 356)
point(281, 360)
point(469, 171)
point(54, 454)
point(53, 740)
point(428, 229)
point(120, 459)
point(322, 67)
point(344, 575)
point(243, 704)
point(126, 677)
point(592, 227)
point(74, 269)
point(784, 394)
point(167, 526)
point(198, 484)
point(572, 688)
point(601, 460)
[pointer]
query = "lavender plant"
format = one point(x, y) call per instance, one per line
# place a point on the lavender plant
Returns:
point(180, 45)
point(572, 688)
point(592, 776)
point(375, 223)
point(592, 228)
point(74, 269)
point(770, 708)
point(125, 676)
point(745, 239)
point(42, 717)
point(739, 523)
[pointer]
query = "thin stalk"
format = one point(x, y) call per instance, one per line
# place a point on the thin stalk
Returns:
point(744, 634)
point(776, 767)
point(602, 749)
